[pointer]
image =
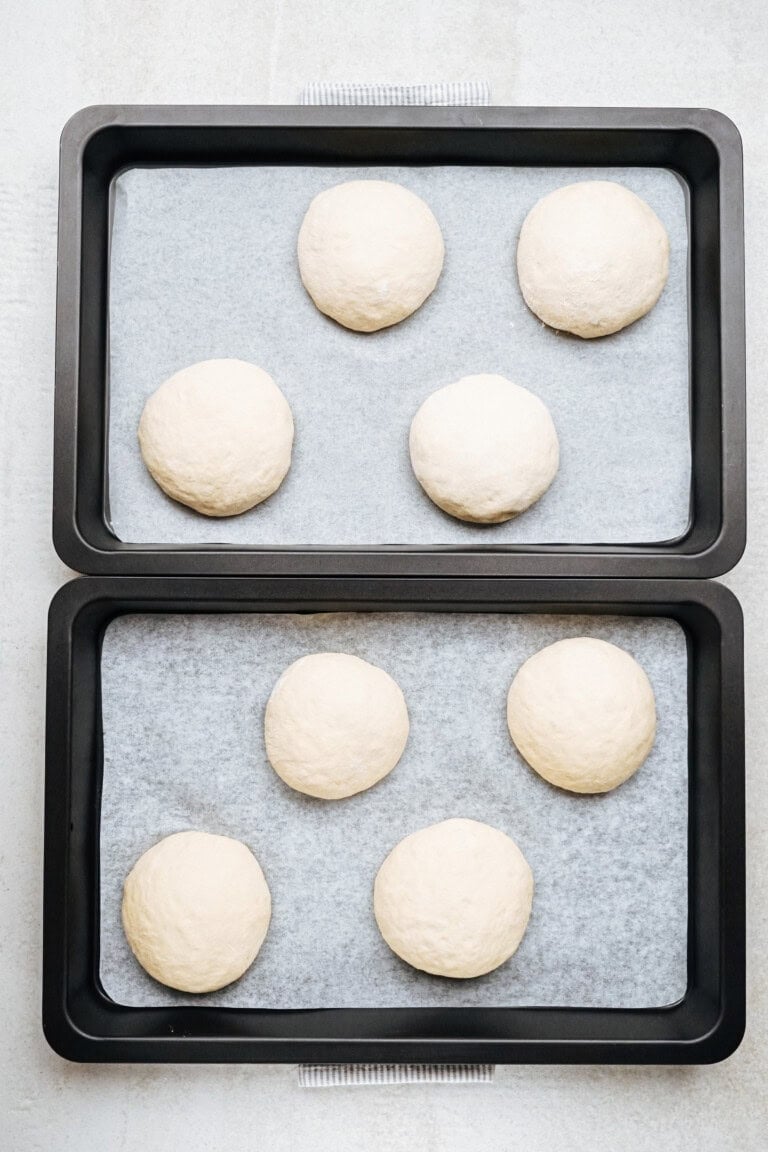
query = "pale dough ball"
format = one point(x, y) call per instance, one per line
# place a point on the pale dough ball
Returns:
point(334, 725)
point(454, 899)
point(370, 252)
point(582, 713)
point(217, 436)
point(592, 258)
point(196, 909)
point(484, 449)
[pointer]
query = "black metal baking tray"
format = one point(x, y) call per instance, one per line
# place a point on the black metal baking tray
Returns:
point(702, 147)
point(81, 1022)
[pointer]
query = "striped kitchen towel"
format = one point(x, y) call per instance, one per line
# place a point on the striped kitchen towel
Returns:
point(465, 92)
point(470, 92)
point(344, 1075)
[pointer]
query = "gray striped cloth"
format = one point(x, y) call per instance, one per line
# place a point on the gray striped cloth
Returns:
point(469, 92)
point(345, 1075)
point(465, 92)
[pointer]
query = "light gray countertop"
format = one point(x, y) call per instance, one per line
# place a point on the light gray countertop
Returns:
point(57, 57)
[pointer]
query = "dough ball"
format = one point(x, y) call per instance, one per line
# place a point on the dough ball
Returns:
point(592, 258)
point(217, 436)
point(454, 899)
point(334, 725)
point(370, 252)
point(484, 449)
point(196, 909)
point(582, 713)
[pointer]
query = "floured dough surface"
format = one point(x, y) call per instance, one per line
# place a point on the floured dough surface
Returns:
point(196, 909)
point(592, 257)
point(217, 436)
point(484, 449)
point(454, 899)
point(335, 725)
point(582, 713)
point(370, 253)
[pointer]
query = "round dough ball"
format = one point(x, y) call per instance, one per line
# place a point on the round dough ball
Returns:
point(334, 725)
point(582, 713)
point(196, 909)
point(217, 436)
point(592, 258)
point(484, 449)
point(454, 899)
point(370, 252)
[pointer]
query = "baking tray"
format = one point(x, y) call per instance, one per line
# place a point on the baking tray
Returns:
point(702, 147)
point(81, 1022)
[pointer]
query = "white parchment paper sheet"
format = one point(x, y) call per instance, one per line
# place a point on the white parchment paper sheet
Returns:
point(183, 701)
point(204, 265)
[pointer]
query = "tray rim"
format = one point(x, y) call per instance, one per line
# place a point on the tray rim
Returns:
point(65, 1021)
point(619, 560)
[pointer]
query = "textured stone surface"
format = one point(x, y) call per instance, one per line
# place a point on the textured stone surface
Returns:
point(60, 57)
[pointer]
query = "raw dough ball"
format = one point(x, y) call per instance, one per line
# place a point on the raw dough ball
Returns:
point(196, 909)
point(334, 725)
point(217, 436)
point(454, 899)
point(484, 449)
point(370, 252)
point(582, 713)
point(592, 257)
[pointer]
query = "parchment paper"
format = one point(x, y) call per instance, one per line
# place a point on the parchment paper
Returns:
point(183, 704)
point(203, 265)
